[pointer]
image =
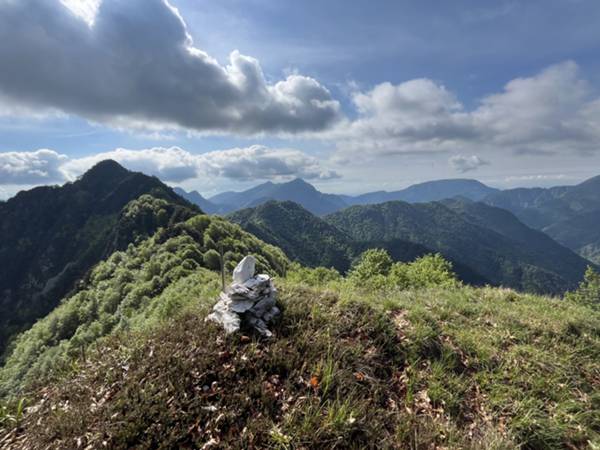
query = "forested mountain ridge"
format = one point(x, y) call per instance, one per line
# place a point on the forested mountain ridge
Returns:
point(51, 236)
point(507, 224)
point(147, 281)
point(503, 260)
point(314, 242)
point(566, 213)
point(394, 354)
point(580, 232)
point(303, 236)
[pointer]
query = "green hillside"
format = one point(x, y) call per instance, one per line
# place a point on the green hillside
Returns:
point(314, 242)
point(301, 235)
point(488, 246)
point(391, 355)
point(51, 236)
point(349, 367)
point(568, 214)
point(143, 283)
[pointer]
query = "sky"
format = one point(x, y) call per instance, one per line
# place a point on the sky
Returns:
point(351, 96)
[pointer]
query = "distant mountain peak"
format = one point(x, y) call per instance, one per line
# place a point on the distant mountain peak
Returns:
point(300, 182)
point(296, 190)
point(105, 173)
point(105, 167)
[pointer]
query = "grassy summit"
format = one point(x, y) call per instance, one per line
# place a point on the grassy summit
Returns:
point(384, 367)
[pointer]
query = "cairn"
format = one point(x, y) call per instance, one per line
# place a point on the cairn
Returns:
point(249, 301)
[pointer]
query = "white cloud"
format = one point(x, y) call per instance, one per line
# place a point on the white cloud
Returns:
point(464, 164)
point(553, 111)
point(85, 9)
point(133, 64)
point(169, 164)
point(545, 111)
point(259, 162)
point(26, 168)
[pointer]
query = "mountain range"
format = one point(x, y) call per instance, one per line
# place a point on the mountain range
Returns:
point(486, 244)
point(297, 190)
point(52, 236)
point(306, 195)
point(565, 213)
point(568, 214)
point(118, 272)
point(429, 191)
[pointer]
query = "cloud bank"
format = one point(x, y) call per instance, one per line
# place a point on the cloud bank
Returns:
point(29, 168)
point(133, 64)
point(169, 164)
point(555, 110)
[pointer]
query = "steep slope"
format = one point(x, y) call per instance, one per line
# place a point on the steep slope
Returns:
point(149, 281)
point(298, 191)
point(312, 241)
point(427, 192)
point(301, 235)
point(195, 198)
point(539, 208)
point(535, 207)
point(506, 224)
point(502, 260)
point(566, 213)
point(50, 236)
point(580, 232)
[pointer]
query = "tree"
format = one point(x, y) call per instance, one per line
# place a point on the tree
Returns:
point(588, 292)
point(426, 271)
point(372, 263)
point(212, 259)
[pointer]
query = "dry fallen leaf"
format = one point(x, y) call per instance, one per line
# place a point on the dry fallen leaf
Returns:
point(314, 382)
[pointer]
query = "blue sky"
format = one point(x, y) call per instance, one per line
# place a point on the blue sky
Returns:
point(353, 96)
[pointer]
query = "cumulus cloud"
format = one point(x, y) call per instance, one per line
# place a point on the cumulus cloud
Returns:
point(169, 164)
point(259, 162)
point(133, 63)
point(464, 164)
point(553, 111)
point(28, 168)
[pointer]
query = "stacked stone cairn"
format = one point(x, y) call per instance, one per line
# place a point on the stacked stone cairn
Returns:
point(249, 301)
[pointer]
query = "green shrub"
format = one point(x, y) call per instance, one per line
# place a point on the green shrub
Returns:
point(375, 270)
point(319, 276)
point(212, 259)
point(426, 271)
point(371, 263)
point(588, 292)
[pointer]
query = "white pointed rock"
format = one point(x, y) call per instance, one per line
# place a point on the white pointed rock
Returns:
point(244, 270)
